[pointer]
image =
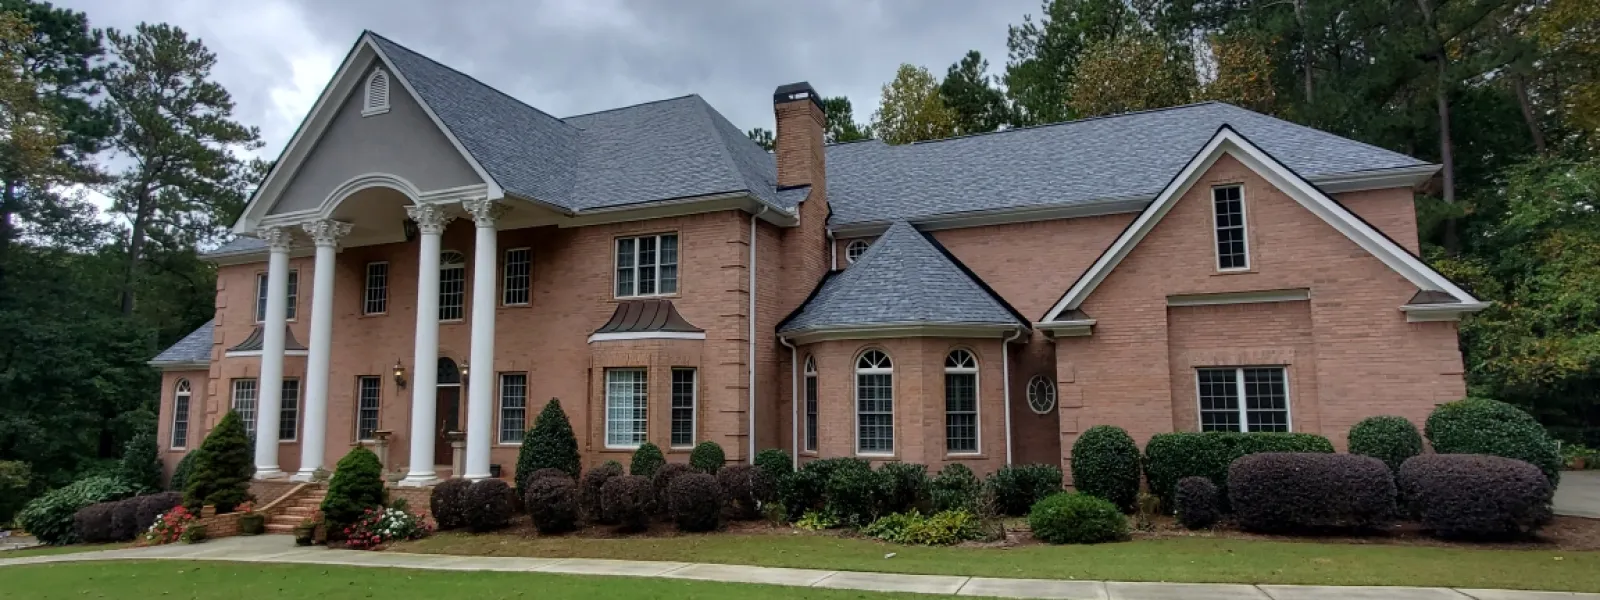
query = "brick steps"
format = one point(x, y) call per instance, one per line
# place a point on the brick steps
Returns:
point(296, 510)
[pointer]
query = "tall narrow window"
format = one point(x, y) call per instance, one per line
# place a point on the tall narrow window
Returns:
point(261, 295)
point(683, 395)
point(811, 404)
point(452, 286)
point(375, 301)
point(627, 407)
point(180, 414)
point(289, 411)
point(376, 100)
point(518, 277)
point(874, 403)
point(1233, 248)
point(961, 402)
point(1243, 399)
point(244, 403)
point(647, 265)
point(513, 407)
point(369, 392)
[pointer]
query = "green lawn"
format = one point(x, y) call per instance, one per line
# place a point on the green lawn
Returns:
point(48, 550)
point(1194, 560)
point(232, 581)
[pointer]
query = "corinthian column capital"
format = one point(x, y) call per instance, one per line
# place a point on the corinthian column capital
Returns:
point(278, 239)
point(326, 232)
point(484, 211)
point(430, 218)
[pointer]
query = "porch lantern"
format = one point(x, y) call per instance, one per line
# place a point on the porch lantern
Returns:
point(464, 370)
point(399, 374)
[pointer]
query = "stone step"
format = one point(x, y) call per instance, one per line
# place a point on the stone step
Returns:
point(280, 528)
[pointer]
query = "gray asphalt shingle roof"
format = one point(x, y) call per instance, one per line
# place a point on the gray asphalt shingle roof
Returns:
point(902, 279)
point(193, 348)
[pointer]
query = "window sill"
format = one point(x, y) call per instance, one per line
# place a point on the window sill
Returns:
point(1222, 272)
point(674, 295)
point(373, 315)
point(966, 456)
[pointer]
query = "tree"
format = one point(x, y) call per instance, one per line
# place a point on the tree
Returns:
point(911, 110)
point(222, 472)
point(1567, 33)
point(550, 444)
point(1133, 72)
point(177, 129)
point(141, 463)
point(356, 486)
point(978, 106)
point(1243, 73)
point(841, 122)
point(762, 137)
point(1044, 54)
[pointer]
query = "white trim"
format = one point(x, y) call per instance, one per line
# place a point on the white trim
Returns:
point(1005, 384)
point(851, 246)
point(495, 191)
point(977, 402)
point(855, 394)
point(1355, 181)
point(605, 407)
point(1055, 396)
point(877, 331)
point(368, 106)
point(257, 353)
point(677, 282)
point(1239, 297)
point(794, 401)
point(1244, 404)
point(505, 276)
point(1424, 313)
point(1228, 142)
point(182, 388)
point(1244, 227)
point(646, 335)
point(1074, 328)
point(694, 408)
point(500, 408)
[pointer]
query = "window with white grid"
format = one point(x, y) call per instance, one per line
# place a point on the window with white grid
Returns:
point(289, 411)
point(854, 250)
point(518, 277)
point(1233, 248)
point(513, 407)
point(452, 286)
point(811, 404)
point(961, 402)
point(244, 403)
point(261, 295)
point(627, 407)
point(874, 403)
point(683, 396)
point(375, 299)
point(1243, 399)
point(180, 414)
point(647, 265)
point(369, 392)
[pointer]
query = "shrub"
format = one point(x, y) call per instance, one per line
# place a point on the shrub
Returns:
point(663, 480)
point(806, 490)
point(448, 503)
point(222, 472)
point(1475, 495)
point(646, 460)
point(489, 505)
point(1289, 492)
point(357, 485)
point(169, 526)
point(1073, 518)
point(152, 506)
point(777, 465)
point(1482, 426)
point(955, 488)
point(180, 473)
point(941, 529)
point(552, 504)
point(816, 520)
point(855, 494)
point(51, 517)
point(740, 485)
point(383, 525)
point(194, 533)
point(548, 472)
point(590, 490)
point(628, 500)
point(905, 486)
point(549, 445)
point(1196, 502)
point(141, 463)
point(125, 520)
point(1105, 463)
point(707, 457)
point(1016, 488)
point(1169, 457)
point(696, 502)
point(1386, 438)
point(16, 477)
point(92, 523)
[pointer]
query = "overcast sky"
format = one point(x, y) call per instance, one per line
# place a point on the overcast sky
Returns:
point(572, 57)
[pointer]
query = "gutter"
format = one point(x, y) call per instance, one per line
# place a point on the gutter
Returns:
point(1005, 381)
point(794, 401)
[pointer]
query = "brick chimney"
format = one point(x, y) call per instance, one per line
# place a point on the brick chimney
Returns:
point(799, 142)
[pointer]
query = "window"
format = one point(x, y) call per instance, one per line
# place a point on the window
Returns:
point(811, 404)
point(518, 276)
point(874, 403)
point(683, 394)
point(452, 286)
point(647, 265)
point(1266, 399)
point(961, 402)
point(1041, 394)
point(244, 403)
point(375, 301)
point(627, 407)
point(513, 407)
point(180, 414)
point(376, 101)
point(261, 295)
point(289, 411)
point(1233, 251)
point(369, 390)
point(855, 249)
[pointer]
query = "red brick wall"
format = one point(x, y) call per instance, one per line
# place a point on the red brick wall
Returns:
point(170, 456)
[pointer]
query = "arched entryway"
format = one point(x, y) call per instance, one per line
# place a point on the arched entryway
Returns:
point(448, 410)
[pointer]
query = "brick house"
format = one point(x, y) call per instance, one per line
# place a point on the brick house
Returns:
point(432, 261)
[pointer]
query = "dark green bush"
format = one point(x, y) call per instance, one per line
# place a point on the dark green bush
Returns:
point(1198, 506)
point(1483, 426)
point(448, 503)
point(552, 504)
point(806, 490)
point(93, 525)
point(357, 485)
point(777, 465)
point(51, 517)
point(1017, 487)
point(628, 501)
point(489, 505)
point(16, 479)
point(905, 487)
point(180, 473)
point(1072, 518)
point(550, 444)
point(1105, 464)
point(141, 463)
point(955, 488)
point(222, 472)
point(589, 497)
point(855, 495)
point(663, 480)
point(707, 457)
point(695, 502)
point(152, 506)
point(1299, 492)
point(1169, 457)
point(1476, 496)
point(1386, 438)
point(646, 460)
point(740, 485)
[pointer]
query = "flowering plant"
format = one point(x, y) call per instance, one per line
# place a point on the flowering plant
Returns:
point(378, 526)
point(246, 508)
point(169, 526)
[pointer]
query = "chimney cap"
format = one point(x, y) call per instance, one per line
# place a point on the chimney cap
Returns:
point(799, 90)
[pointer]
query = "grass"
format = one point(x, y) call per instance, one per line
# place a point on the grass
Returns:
point(1191, 560)
point(49, 550)
point(231, 581)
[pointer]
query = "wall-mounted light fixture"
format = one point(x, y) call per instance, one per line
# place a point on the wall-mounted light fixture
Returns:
point(465, 369)
point(399, 374)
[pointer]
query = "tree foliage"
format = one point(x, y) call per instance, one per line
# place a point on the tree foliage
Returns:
point(1129, 73)
point(912, 109)
point(221, 475)
point(968, 90)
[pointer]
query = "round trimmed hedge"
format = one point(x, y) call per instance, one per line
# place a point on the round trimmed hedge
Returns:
point(92, 523)
point(741, 487)
point(1476, 495)
point(1198, 505)
point(590, 491)
point(154, 505)
point(905, 486)
point(489, 505)
point(125, 520)
point(1017, 487)
point(628, 501)
point(696, 502)
point(1073, 518)
point(955, 488)
point(1387, 438)
point(448, 503)
point(663, 480)
point(646, 460)
point(707, 457)
point(1105, 464)
point(1169, 457)
point(1484, 426)
point(552, 504)
point(1291, 492)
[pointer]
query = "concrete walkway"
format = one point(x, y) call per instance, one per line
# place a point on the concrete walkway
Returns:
point(281, 549)
point(1579, 494)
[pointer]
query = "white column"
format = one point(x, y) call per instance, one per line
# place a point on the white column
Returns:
point(431, 220)
point(269, 394)
point(313, 442)
point(481, 385)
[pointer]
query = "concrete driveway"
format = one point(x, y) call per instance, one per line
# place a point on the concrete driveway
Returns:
point(1579, 494)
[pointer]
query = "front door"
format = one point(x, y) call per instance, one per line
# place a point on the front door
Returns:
point(449, 419)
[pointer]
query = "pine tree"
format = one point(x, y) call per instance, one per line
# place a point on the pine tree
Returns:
point(357, 485)
point(222, 472)
point(141, 463)
point(550, 444)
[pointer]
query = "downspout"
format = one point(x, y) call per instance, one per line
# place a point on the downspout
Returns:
point(1005, 377)
point(794, 402)
point(833, 251)
point(751, 454)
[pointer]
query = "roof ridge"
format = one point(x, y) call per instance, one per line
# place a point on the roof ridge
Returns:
point(463, 74)
point(1076, 121)
point(636, 105)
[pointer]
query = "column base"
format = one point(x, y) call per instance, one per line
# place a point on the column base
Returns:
point(475, 477)
point(304, 476)
point(274, 473)
point(419, 480)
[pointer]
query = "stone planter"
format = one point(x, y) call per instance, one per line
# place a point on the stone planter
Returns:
point(252, 523)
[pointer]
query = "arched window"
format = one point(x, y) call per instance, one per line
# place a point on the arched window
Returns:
point(452, 286)
point(1041, 394)
point(855, 249)
point(961, 402)
point(874, 403)
point(811, 404)
point(376, 100)
point(180, 414)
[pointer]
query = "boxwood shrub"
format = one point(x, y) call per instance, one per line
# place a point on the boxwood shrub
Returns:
point(1483, 426)
point(552, 504)
point(489, 505)
point(707, 457)
point(1073, 518)
point(1197, 504)
point(1386, 438)
point(1298, 492)
point(696, 502)
point(1105, 464)
point(663, 480)
point(1017, 487)
point(905, 486)
point(955, 488)
point(628, 501)
point(646, 460)
point(448, 503)
point(51, 517)
point(806, 490)
point(590, 489)
point(1476, 495)
point(1169, 457)
point(855, 493)
point(777, 465)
